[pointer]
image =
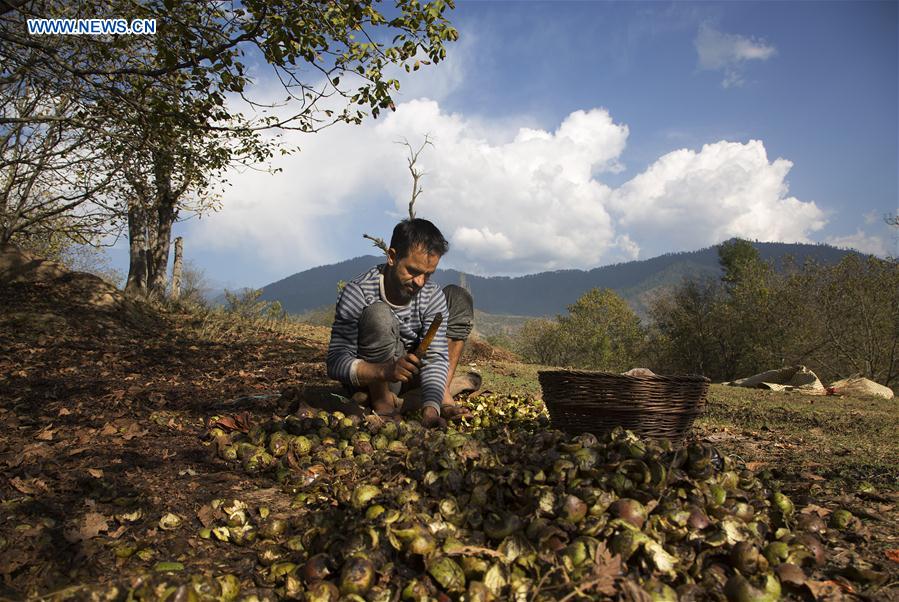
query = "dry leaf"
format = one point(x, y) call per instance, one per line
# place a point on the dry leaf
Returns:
point(828, 590)
point(91, 526)
point(606, 571)
point(239, 422)
point(820, 511)
point(64, 411)
point(28, 487)
point(95, 472)
point(45, 434)
point(893, 555)
point(108, 430)
point(118, 532)
point(133, 430)
point(632, 592)
point(754, 466)
point(206, 515)
point(85, 436)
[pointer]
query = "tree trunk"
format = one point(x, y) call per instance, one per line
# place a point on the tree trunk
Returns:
point(165, 214)
point(137, 245)
point(177, 268)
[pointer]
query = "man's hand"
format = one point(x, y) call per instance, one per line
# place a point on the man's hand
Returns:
point(402, 369)
point(431, 419)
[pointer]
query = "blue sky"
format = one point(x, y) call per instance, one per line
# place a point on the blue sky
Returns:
point(576, 134)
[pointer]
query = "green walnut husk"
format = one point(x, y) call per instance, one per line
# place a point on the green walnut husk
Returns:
point(841, 518)
point(322, 591)
point(357, 576)
point(170, 522)
point(363, 494)
point(278, 443)
point(501, 506)
point(448, 574)
point(740, 589)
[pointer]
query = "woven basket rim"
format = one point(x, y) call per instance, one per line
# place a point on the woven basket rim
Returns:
point(686, 378)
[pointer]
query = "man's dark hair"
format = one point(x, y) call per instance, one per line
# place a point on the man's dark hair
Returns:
point(418, 232)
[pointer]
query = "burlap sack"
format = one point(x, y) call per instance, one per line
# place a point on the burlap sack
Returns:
point(792, 378)
point(860, 387)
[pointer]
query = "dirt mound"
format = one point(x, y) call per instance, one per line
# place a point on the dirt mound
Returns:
point(20, 267)
point(479, 350)
point(101, 414)
point(44, 296)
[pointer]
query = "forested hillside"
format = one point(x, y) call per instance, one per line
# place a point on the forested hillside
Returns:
point(547, 293)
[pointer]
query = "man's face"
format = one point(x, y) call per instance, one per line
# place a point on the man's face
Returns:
point(407, 275)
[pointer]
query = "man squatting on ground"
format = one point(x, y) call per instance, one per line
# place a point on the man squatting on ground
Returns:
point(383, 313)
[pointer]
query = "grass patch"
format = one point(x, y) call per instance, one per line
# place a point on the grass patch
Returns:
point(845, 439)
point(510, 377)
point(218, 325)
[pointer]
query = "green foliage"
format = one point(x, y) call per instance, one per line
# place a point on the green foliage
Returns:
point(723, 329)
point(247, 304)
point(737, 258)
point(748, 327)
point(600, 332)
point(850, 315)
point(839, 320)
point(202, 46)
point(540, 341)
point(156, 114)
point(322, 316)
point(683, 329)
point(501, 339)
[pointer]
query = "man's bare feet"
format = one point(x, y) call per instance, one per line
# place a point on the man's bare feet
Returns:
point(386, 407)
point(431, 419)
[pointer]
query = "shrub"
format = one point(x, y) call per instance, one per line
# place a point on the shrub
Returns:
point(600, 332)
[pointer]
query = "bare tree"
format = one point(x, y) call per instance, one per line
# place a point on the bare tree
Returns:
point(177, 269)
point(49, 176)
point(417, 175)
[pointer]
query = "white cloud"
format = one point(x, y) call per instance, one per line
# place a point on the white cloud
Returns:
point(864, 242)
point(728, 52)
point(872, 217)
point(525, 202)
point(688, 199)
point(511, 200)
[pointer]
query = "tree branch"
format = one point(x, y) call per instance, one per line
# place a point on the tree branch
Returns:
point(416, 173)
point(378, 242)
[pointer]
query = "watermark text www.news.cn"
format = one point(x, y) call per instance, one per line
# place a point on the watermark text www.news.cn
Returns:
point(91, 27)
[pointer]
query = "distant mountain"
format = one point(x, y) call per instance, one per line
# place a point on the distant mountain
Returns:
point(547, 293)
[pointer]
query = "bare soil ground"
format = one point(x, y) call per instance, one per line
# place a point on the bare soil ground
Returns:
point(102, 415)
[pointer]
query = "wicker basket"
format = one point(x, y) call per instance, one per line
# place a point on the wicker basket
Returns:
point(659, 407)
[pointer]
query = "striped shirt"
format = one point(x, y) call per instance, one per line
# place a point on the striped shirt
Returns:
point(414, 319)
